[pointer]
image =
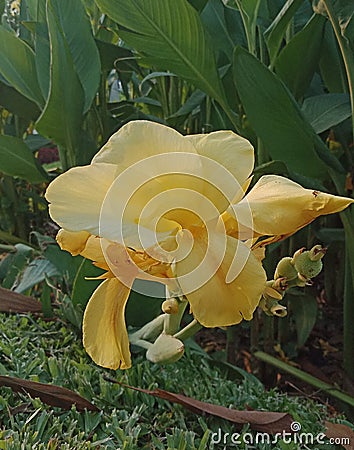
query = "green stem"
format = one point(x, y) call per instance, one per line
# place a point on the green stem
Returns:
point(319, 384)
point(347, 53)
point(20, 222)
point(188, 331)
point(173, 321)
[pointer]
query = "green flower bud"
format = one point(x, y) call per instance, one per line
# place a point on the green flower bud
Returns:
point(285, 269)
point(166, 349)
point(308, 264)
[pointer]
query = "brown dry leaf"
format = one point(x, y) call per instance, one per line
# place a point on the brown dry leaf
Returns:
point(17, 303)
point(49, 393)
point(341, 431)
point(263, 421)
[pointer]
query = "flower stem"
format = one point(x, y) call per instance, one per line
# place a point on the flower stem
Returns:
point(189, 330)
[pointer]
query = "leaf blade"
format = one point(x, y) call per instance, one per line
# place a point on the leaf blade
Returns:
point(17, 160)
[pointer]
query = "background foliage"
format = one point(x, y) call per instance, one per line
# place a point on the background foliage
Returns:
point(280, 73)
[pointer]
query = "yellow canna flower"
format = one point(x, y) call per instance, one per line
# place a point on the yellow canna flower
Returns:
point(156, 205)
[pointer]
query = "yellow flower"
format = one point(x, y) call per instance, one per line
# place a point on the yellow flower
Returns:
point(154, 204)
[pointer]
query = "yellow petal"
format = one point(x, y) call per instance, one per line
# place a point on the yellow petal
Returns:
point(105, 335)
point(227, 148)
point(76, 196)
point(281, 207)
point(138, 140)
point(72, 241)
point(224, 287)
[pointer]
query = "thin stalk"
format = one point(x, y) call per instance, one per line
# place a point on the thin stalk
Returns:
point(188, 331)
point(20, 222)
point(347, 54)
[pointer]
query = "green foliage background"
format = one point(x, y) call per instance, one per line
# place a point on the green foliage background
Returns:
point(280, 73)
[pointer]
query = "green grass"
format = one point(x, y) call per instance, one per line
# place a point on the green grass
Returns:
point(51, 352)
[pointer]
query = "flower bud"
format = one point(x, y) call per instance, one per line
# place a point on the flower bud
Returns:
point(308, 264)
point(285, 269)
point(272, 308)
point(166, 349)
point(170, 306)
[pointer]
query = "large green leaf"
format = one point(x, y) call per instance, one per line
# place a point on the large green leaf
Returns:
point(83, 288)
point(17, 160)
point(36, 272)
point(74, 22)
point(144, 302)
point(297, 62)
point(17, 103)
point(17, 65)
point(331, 63)
point(277, 119)
point(327, 110)
point(224, 25)
point(170, 34)
point(63, 114)
point(304, 310)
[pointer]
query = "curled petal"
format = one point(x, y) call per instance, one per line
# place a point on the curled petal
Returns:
point(138, 140)
point(235, 285)
point(76, 196)
point(105, 335)
point(72, 241)
point(280, 207)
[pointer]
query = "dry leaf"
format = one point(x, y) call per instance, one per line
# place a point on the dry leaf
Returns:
point(342, 432)
point(17, 303)
point(263, 421)
point(49, 393)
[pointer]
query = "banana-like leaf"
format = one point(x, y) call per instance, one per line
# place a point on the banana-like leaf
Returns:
point(16, 159)
point(171, 36)
point(17, 66)
point(297, 62)
point(63, 114)
point(277, 119)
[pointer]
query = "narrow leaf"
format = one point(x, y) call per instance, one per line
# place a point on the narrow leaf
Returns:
point(75, 25)
point(171, 35)
point(304, 310)
point(17, 66)
point(49, 393)
point(17, 303)
point(16, 159)
point(264, 421)
point(63, 113)
point(275, 32)
point(307, 378)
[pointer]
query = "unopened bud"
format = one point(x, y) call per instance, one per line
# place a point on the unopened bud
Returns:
point(170, 306)
point(272, 308)
point(308, 264)
point(285, 269)
point(166, 349)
